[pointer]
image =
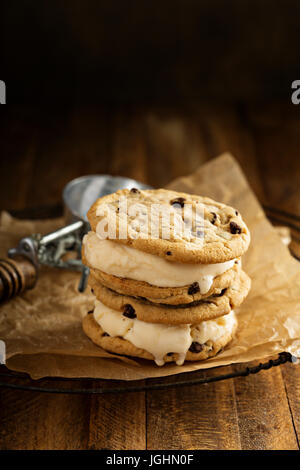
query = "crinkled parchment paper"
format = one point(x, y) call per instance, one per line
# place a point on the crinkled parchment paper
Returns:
point(42, 328)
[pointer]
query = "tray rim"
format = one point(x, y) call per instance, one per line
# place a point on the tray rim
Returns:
point(249, 369)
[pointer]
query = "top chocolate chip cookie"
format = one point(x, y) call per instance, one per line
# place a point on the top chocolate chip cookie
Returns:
point(179, 227)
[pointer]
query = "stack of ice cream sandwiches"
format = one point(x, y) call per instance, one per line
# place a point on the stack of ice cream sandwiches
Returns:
point(165, 270)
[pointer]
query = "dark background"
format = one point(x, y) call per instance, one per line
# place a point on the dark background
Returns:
point(148, 89)
point(149, 50)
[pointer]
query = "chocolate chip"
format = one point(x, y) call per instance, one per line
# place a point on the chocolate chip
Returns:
point(169, 354)
point(135, 191)
point(196, 347)
point(221, 293)
point(129, 311)
point(236, 262)
point(105, 334)
point(214, 218)
point(92, 291)
point(90, 311)
point(235, 228)
point(194, 288)
point(169, 253)
point(179, 201)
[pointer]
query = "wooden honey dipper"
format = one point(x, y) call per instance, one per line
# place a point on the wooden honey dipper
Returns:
point(16, 276)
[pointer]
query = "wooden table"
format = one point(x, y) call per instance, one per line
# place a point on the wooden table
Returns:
point(41, 152)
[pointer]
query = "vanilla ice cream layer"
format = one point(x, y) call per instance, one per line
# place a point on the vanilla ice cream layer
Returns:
point(120, 260)
point(159, 339)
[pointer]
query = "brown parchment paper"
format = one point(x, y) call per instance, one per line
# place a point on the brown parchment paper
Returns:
point(42, 328)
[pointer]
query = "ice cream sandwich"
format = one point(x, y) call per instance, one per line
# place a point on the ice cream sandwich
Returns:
point(165, 269)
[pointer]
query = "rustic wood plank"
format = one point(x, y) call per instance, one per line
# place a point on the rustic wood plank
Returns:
point(194, 417)
point(291, 377)
point(265, 421)
point(175, 145)
point(43, 421)
point(70, 144)
point(18, 153)
point(128, 150)
point(276, 132)
point(117, 422)
point(226, 130)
